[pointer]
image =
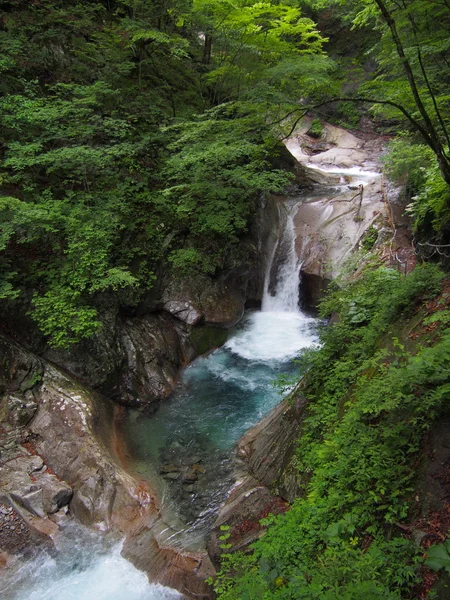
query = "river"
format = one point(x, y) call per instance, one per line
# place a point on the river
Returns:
point(186, 448)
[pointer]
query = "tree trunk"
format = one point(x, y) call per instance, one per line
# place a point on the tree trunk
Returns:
point(206, 59)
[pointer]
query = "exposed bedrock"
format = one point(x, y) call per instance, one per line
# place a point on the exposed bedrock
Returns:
point(330, 225)
point(63, 464)
point(269, 478)
point(136, 360)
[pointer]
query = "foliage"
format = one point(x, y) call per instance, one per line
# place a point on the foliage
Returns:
point(406, 163)
point(438, 557)
point(372, 397)
point(122, 150)
point(370, 238)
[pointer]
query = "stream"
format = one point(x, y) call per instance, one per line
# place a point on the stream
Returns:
point(185, 450)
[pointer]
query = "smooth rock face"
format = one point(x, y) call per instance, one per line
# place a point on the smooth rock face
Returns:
point(269, 481)
point(149, 548)
point(267, 448)
point(72, 439)
point(154, 351)
point(136, 360)
point(329, 229)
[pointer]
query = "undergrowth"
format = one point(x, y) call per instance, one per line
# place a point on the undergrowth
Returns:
point(373, 391)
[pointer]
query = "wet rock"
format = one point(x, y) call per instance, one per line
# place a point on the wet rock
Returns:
point(172, 476)
point(169, 469)
point(154, 353)
point(329, 227)
point(269, 447)
point(150, 549)
point(73, 433)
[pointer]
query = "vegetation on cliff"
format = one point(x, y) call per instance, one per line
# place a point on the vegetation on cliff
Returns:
point(135, 132)
point(375, 387)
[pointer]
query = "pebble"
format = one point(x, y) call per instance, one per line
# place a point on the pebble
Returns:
point(171, 476)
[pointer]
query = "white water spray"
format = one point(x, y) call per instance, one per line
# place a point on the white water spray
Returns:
point(285, 295)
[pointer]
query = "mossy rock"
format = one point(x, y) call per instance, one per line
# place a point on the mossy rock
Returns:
point(206, 338)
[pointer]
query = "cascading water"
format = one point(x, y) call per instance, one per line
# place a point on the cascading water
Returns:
point(186, 447)
point(189, 440)
point(85, 567)
point(283, 295)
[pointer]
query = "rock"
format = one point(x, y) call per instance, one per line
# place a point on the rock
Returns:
point(155, 349)
point(20, 409)
point(169, 469)
point(329, 229)
point(21, 532)
point(269, 447)
point(247, 504)
point(190, 476)
point(183, 311)
point(55, 493)
point(26, 463)
point(196, 468)
point(205, 338)
point(151, 549)
point(172, 476)
point(213, 301)
point(31, 501)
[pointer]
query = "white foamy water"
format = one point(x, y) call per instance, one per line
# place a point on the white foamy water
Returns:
point(82, 570)
point(274, 336)
point(358, 175)
point(284, 298)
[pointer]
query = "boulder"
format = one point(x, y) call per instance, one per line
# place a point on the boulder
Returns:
point(155, 349)
point(202, 299)
point(55, 493)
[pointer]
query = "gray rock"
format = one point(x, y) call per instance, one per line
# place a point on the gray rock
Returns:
point(21, 409)
point(29, 464)
point(32, 501)
point(56, 493)
point(172, 476)
point(215, 301)
point(183, 311)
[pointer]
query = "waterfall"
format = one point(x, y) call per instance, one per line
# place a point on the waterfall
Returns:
point(282, 280)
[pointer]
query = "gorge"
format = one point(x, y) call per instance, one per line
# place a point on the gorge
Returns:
point(225, 301)
point(183, 454)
